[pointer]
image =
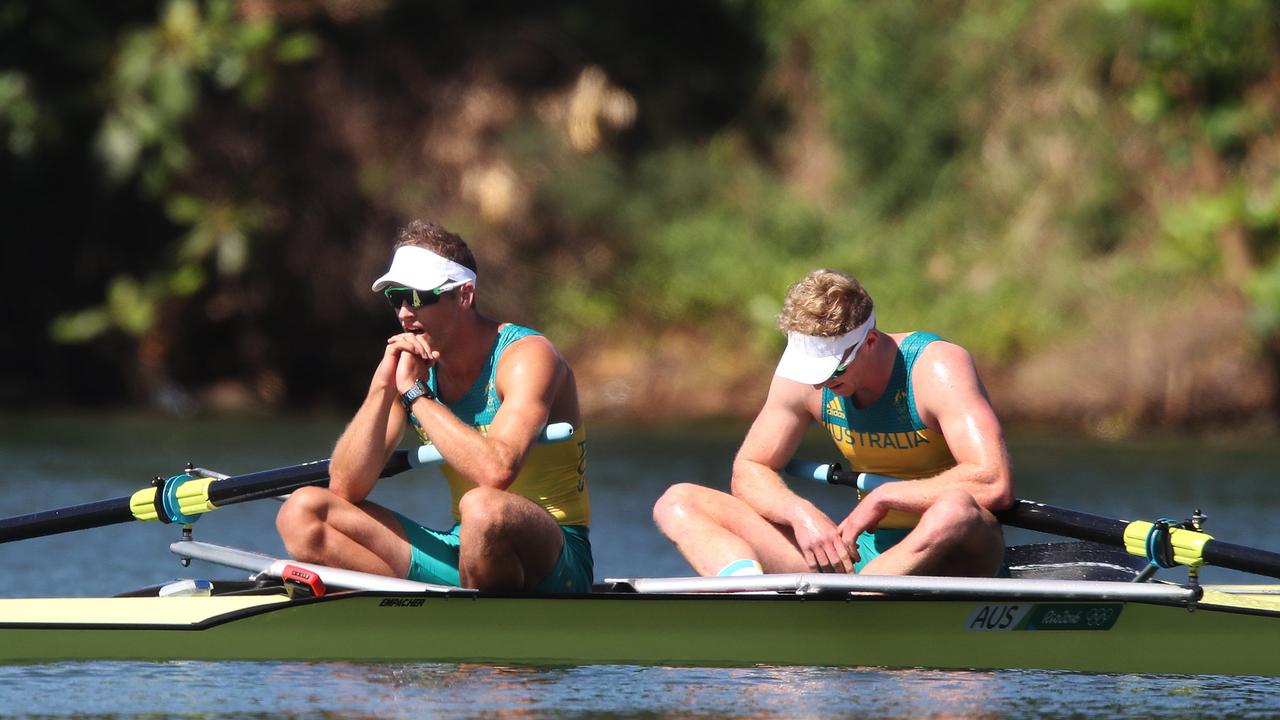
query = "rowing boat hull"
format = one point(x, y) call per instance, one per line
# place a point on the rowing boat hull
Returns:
point(629, 628)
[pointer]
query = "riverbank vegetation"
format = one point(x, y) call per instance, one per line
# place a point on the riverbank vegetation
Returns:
point(1084, 193)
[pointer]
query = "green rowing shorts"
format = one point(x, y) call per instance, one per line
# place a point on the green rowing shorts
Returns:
point(871, 544)
point(435, 558)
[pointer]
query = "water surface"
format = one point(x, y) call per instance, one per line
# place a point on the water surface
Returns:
point(49, 461)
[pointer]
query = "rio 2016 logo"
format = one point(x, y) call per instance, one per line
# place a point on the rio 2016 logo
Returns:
point(1044, 616)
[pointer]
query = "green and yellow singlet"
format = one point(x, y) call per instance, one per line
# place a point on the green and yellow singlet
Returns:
point(553, 475)
point(889, 438)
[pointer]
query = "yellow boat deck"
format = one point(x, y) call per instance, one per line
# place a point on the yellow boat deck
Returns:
point(127, 610)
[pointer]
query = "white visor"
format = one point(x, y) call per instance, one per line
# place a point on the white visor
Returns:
point(811, 360)
point(419, 268)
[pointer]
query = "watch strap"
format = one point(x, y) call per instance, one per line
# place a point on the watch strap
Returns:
point(417, 390)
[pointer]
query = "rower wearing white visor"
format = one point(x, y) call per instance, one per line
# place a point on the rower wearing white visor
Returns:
point(899, 406)
point(481, 391)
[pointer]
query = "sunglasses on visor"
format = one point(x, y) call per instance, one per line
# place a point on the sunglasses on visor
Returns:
point(852, 353)
point(840, 370)
point(398, 296)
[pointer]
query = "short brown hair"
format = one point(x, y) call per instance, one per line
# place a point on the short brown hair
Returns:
point(824, 304)
point(433, 237)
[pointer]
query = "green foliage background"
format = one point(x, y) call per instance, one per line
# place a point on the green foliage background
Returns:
point(197, 190)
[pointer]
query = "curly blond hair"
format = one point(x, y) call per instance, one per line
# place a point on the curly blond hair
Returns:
point(824, 304)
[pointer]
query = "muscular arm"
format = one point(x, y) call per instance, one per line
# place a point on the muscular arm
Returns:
point(366, 443)
point(530, 375)
point(951, 399)
point(770, 444)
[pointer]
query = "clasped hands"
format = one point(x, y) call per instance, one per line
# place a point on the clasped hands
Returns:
point(407, 358)
point(832, 548)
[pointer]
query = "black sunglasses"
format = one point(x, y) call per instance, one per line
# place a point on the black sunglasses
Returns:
point(851, 353)
point(398, 296)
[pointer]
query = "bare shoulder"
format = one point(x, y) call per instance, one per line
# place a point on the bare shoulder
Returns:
point(778, 428)
point(947, 384)
point(790, 398)
point(790, 405)
point(530, 351)
point(531, 364)
point(944, 361)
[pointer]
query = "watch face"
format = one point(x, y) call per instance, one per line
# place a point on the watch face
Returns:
point(417, 390)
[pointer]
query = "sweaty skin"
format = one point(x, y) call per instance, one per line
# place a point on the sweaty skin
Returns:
point(766, 521)
point(508, 542)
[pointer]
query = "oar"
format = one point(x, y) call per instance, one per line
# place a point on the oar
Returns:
point(183, 497)
point(260, 564)
point(1159, 541)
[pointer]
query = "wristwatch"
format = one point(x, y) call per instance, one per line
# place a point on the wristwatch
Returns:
point(415, 391)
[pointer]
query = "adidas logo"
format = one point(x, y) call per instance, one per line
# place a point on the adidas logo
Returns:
point(835, 409)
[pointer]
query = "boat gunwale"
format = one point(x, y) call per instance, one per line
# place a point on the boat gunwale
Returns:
point(274, 605)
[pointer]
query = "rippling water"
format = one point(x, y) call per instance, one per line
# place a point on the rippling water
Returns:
point(49, 461)
point(272, 690)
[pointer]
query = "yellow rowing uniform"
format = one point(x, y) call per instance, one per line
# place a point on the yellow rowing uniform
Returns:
point(554, 475)
point(889, 438)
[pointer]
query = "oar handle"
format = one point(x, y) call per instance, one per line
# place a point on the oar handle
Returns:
point(429, 454)
point(220, 492)
point(810, 470)
point(270, 483)
point(833, 474)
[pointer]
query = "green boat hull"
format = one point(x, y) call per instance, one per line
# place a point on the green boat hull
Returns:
point(706, 630)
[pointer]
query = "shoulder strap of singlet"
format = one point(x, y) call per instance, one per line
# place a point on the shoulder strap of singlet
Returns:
point(909, 350)
point(911, 347)
point(480, 403)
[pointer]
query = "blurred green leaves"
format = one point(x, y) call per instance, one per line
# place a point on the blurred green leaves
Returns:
point(990, 170)
point(158, 75)
point(219, 229)
point(154, 86)
point(1189, 243)
point(19, 113)
point(219, 234)
point(988, 185)
point(130, 306)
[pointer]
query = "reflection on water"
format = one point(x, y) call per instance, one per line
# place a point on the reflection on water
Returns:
point(192, 689)
point(53, 461)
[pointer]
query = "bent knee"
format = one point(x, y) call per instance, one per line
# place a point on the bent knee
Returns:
point(676, 504)
point(303, 505)
point(958, 502)
point(300, 520)
point(956, 513)
point(477, 500)
point(486, 508)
